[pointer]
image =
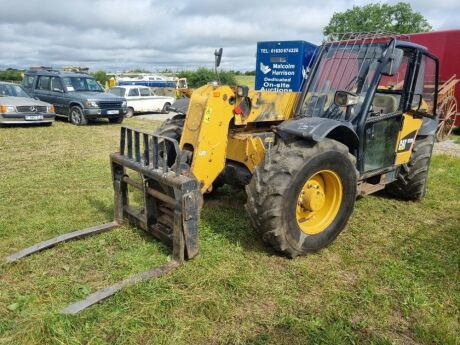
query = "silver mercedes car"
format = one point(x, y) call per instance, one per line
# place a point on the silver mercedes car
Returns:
point(17, 107)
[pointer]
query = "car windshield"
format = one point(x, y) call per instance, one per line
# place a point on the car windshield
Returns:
point(82, 84)
point(119, 91)
point(342, 66)
point(12, 90)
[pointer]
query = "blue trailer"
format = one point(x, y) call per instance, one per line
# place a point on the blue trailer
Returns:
point(283, 65)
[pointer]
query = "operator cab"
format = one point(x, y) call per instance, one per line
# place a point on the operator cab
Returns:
point(372, 83)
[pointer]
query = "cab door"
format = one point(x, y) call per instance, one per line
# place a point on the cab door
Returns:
point(385, 118)
point(422, 105)
point(42, 89)
point(133, 99)
point(57, 95)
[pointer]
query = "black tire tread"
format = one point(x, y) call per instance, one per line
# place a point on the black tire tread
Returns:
point(269, 182)
point(172, 127)
point(116, 120)
point(410, 184)
point(84, 120)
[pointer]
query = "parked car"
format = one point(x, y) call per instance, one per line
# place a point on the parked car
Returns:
point(16, 107)
point(142, 99)
point(75, 96)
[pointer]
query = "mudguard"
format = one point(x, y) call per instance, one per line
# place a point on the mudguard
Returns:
point(429, 126)
point(317, 128)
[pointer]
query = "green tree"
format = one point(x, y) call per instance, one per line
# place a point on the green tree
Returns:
point(398, 18)
point(11, 74)
point(203, 75)
point(101, 76)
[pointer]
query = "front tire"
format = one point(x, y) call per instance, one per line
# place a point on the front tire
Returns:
point(411, 181)
point(130, 112)
point(166, 108)
point(281, 205)
point(171, 128)
point(116, 120)
point(77, 117)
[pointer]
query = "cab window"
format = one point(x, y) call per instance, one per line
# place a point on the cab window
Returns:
point(44, 83)
point(56, 84)
point(119, 91)
point(28, 81)
point(425, 86)
point(133, 92)
point(388, 96)
point(145, 92)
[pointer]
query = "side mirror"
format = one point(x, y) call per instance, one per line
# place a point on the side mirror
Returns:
point(218, 56)
point(345, 99)
point(393, 62)
point(56, 89)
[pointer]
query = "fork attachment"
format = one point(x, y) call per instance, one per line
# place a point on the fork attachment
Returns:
point(170, 208)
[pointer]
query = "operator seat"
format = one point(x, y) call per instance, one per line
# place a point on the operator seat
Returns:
point(385, 104)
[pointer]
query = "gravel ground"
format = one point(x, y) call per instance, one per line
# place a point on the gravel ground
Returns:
point(447, 147)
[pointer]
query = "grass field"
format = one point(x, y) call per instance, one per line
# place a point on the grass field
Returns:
point(391, 277)
point(247, 80)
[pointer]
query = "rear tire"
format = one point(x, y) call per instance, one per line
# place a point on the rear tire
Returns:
point(278, 183)
point(411, 181)
point(77, 117)
point(116, 120)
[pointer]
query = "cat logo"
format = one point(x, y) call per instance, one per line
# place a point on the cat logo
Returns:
point(405, 143)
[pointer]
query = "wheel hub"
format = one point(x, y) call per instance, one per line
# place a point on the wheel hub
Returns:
point(312, 197)
point(319, 201)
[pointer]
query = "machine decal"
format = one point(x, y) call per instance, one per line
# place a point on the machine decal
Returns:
point(207, 115)
point(264, 69)
point(405, 143)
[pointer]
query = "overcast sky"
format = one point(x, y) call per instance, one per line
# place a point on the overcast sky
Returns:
point(178, 34)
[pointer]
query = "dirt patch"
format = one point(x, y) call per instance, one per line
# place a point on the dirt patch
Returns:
point(448, 147)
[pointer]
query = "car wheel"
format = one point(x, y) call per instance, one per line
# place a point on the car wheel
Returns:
point(166, 108)
point(130, 112)
point(118, 119)
point(77, 117)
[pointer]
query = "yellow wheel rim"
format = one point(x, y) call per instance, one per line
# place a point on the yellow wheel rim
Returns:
point(319, 202)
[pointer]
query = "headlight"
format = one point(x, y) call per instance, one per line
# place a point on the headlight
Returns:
point(50, 109)
point(92, 104)
point(7, 109)
point(124, 104)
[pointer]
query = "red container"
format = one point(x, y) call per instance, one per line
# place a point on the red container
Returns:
point(446, 46)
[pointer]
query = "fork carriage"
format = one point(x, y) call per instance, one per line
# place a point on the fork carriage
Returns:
point(170, 209)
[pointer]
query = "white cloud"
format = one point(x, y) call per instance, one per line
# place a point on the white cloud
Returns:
point(118, 34)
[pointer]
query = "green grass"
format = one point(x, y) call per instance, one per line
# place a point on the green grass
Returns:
point(391, 277)
point(248, 80)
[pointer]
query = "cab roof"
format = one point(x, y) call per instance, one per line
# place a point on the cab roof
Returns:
point(53, 72)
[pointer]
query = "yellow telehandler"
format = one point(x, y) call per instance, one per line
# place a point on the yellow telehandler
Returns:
point(365, 120)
